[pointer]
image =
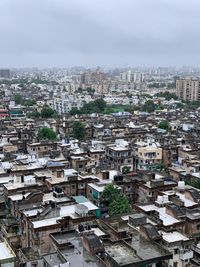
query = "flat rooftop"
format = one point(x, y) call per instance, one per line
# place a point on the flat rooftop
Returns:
point(122, 254)
point(5, 252)
point(77, 256)
point(174, 236)
point(167, 219)
point(65, 211)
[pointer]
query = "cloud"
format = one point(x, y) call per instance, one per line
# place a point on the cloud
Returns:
point(47, 33)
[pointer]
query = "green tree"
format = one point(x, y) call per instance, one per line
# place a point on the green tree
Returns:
point(47, 133)
point(18, 98)
point(100, 104)
point(110, 192)
point(30, 102)
point(97, 106)
point(117, 202)
point(149, 106)
point(47, 112)
point(78, 130)
point(126, 169)
point(167, 95)
point(119, 205)
point(194, 183)
point(164, 125)
point(74, 111)
point(34, 114)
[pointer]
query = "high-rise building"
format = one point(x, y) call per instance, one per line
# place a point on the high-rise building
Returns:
point(138, 77)
point(4, 73)
point(188, 89)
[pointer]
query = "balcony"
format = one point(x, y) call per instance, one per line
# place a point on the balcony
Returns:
point(186, 255)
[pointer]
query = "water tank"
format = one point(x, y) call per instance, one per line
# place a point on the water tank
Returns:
point(160, 199)
point(165, 199)
point(181, 185)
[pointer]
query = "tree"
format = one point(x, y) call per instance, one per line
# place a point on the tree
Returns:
point(110, 192)
point(117, 202)
point(18, 98)
point(100, 104)
point(74, 111)
point(97, 106)
point(167, 95)
point(47, 133)
point(34, 114)
point(164, 125)
point(126, 169)
point(47, 112)
point(30, 102)
point(149, 106)
point(78, 130)
point(119, 205)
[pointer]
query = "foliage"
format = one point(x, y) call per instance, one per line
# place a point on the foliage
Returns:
point(126, 169)
point(30, 102)
point(75, 111)
point(78, 130)
point(149, 106)
point(167, 95)
point(47, 112)
point(194, 183)
point(171, 85)
point(18, 99)
point(193, 104)
point(118, 203)
point(97, 106)
point(34, 114)
point(87, 90)
point(164, 125)
point(47, 133)
point(157, 85)
point(110, 192)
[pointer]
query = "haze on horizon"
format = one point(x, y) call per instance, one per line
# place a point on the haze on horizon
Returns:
point(111, 33)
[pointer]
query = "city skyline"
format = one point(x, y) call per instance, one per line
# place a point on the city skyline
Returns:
point(105, 33)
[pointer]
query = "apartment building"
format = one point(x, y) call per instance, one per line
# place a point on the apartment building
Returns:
point(147, 156)
point(188, 89)
point(119, 155)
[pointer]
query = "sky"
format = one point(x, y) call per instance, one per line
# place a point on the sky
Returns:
point(109, 33)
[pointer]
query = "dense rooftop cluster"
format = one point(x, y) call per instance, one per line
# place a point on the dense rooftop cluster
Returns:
point(98, 188)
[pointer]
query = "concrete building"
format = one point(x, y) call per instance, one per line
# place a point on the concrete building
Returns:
point(188, 89)
point(7, 256)
point(119, 155)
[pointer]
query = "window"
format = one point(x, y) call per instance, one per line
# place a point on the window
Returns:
point(176, 251)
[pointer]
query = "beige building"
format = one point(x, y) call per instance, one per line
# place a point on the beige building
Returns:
point(188, 89)
point(148, 157)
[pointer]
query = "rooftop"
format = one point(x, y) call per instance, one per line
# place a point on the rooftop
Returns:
point(5, 252)
point(167, 219)
point(174, 236)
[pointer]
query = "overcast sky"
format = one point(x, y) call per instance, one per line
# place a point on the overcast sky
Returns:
point(62, 33)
